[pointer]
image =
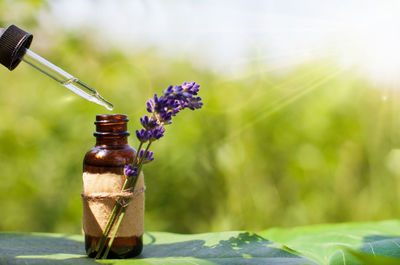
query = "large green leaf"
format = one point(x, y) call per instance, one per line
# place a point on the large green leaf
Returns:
point(378, 250)
point(347, 243)
point(336, 244)
point(160, 248)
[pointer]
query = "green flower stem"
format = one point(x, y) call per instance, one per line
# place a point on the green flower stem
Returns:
point(133, 185)
point(121, 216)
point(137, 153)
point(107, 230)
point(111, 220)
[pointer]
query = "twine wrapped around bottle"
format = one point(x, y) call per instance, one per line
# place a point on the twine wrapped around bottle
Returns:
point(99, 195)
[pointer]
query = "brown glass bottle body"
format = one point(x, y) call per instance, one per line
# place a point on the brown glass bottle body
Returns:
point(110, 154)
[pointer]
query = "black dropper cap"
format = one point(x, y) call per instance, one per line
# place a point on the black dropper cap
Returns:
point(13, 42)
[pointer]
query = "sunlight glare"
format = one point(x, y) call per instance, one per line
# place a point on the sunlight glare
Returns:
point(370, 40)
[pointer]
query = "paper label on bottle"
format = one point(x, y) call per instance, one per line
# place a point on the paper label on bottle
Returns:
point(96, 211)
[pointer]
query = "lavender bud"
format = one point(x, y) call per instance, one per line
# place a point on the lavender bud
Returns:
point(169, 90)
point(141, 153)
point(148, 123)
point(148, 158)
point(150, 105)
point(143, 135)
point(155, 99)
point(130, 171)
point(157, 133)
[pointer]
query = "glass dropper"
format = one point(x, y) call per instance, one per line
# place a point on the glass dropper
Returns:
point(14, 44)
point(65, 79)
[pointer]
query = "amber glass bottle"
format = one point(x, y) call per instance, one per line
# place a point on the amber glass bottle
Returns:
point(103, 173)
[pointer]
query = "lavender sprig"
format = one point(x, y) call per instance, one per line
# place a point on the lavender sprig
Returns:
point(161, 109)
point(173, 100)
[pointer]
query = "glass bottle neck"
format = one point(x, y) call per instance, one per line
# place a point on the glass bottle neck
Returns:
point(111, 130)
point(111, 141)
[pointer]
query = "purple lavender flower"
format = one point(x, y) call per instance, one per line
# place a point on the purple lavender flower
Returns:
point(143, 135)
point(191, 87)
point(194, 103)
point(157, 133)
point(163, 108)
point(148, 123)
point(150, 105)
point(130, 171)
point(148, 158)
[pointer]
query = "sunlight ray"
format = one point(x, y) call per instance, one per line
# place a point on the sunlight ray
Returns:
point(287, 102)
point(288, 53)
point(262, 92)
point(285, 98)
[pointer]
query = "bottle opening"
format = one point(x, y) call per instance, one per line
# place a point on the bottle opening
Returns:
point(111, 125)
point(111, 118)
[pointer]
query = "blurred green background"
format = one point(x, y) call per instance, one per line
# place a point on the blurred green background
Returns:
point(316, 144)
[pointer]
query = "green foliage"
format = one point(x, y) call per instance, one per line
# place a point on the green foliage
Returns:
point(348, 243)
point(341, 244)
point(313, 145)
